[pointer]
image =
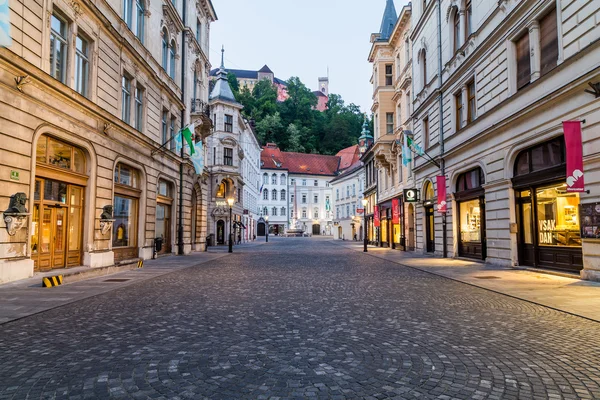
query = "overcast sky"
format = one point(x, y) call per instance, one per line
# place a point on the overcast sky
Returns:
point(302, 38)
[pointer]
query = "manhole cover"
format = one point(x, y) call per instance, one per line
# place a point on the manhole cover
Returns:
point(117, 280)
point(487, 277)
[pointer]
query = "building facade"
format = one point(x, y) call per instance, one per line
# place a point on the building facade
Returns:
point(91, 90)
point(347, 190)
point(251, 177)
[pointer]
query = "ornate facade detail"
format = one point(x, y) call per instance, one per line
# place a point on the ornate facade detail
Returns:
point(15, 216)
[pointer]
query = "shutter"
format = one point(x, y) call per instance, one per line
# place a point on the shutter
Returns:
point(523, 61)
point(549, 42)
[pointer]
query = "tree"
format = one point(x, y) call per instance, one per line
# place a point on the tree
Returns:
point(270, 128)
point(294, 139)
point(233, 83)
point(265, 94)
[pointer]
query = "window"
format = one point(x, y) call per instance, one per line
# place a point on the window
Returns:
point(389, 123)
point(164, 188)
point(546, 155)
point(126, 176)
point(82, 65)
point(347, 210)
point(456, 30)
point(58, 48)
point(337, 194)
point(548, 42)
point(198, 31)
point(265, 211)
point(127, 12)
point(282, 196)
point(283, 211)
point(459, 110)
point(265, 178)
point(165, 126)
point(354, 189)
point(468, 19)
point(424, 68)
point(282, 181)
point(304, 213)
point(139, 30)
point(472, 109)
point(274, 179)
point(347, 191)
point(425, 132)
point(221, 191)
point(165, 49)
point(172, 60)
point(316, 183)
point(389, 76)
point(292, 198)
point(126, 101)
point(316, 213)
point(316, 199)
point(274, 211)
point(292, 182)
point(59, 154)
point(229, 124)
point(303, 182)
point(523, 61)
point(304, 198)
point(274, 194)
point(139, 107)
point(472, 179)
point(265, 195)
point(337, 211)
point(228, 156)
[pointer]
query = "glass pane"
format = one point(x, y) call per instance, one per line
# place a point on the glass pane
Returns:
point(79, 161)
point(558, 217)
point(37, 188)
point(59, 238)
point(35, 228)
point(46, 233)
point(76, 196)
point(526, 219)
point(59, 154)
point(58, 25)
point(522, 165)
point(124, 225)
point(160, 221)
point(40, 154)
point(55, 191)
point(470, 221)
point(125, 176)
point(74, 228)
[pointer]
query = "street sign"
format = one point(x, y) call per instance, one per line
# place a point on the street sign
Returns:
point(411, 195)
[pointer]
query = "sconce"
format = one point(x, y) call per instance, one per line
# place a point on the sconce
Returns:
point(106, 219)
point(16, 214)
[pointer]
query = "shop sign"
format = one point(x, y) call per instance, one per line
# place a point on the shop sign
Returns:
point(395, 211)
point(376, 216)
point(574, 150)
point(14, 175)
point(547, 228)
point(441, 195)
point(589, 215)
point(411, 195)
point(221, 204)
point(360, 210)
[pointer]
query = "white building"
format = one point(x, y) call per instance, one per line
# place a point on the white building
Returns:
point(251, 177)
point(347, 198)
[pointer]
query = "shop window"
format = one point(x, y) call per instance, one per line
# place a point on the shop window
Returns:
point(126, 199)
point(469, 180)
point(221, 191)
point(546, 155)
point(557, 216)
point(470, 221)
point(59, 154)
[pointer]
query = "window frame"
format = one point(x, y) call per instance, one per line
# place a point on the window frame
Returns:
point(82, 65)
point(471, 101)
point(139, 107)
point(389, 74)
point(126, 82)
point(228, 156)
point(458, 102)
point(62, 38)
point(228, 123)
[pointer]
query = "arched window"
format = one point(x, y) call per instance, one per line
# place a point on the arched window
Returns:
point(282, 179)
point(172, 59)
point(221, 191)
point(274, 179)
point(266, 195)
point(470, 180)
point(274, 211)
point(543, 156)
point(428, 191)
point(274, 194)
point(283, 211)
point(424, 67)
point(265, 178)
point(165, 49)
point(265, 211)
point(59, 154)
point(125, 203)
point(456, 30)
point(282, 197)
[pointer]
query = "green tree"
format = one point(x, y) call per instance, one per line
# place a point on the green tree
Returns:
point(270, 128)
point(294, 139)
point(233, 83)
point(265, 94)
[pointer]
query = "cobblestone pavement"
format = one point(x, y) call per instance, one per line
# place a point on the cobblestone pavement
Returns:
point(300, 318)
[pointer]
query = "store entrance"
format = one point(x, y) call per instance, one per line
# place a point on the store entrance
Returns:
point(220, 232)
point(429, 229)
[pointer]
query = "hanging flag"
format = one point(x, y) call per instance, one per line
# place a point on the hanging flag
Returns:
point(376, 216)
point(414, 146)
point(261, 188)
point(178, 142)
point(5, 39)
point(574, 150)
point(406, 153)
point(187, 134)
point(198, 158)
point(395, 211)
point(441, 194)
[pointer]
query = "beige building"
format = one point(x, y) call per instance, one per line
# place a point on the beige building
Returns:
point(493, 83)
point(391, 58)
point(90, 91)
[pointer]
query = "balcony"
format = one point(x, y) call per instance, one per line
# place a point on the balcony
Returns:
point(200, 115)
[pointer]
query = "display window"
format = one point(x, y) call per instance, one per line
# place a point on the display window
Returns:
point(470, 221)
point(557, 217)
point(470, 197)
point(126, 207)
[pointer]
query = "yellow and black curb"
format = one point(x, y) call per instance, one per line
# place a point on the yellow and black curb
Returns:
point(141, 264)
point(51, 281)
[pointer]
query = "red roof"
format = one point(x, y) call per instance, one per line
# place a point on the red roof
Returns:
point(298, 163)
point(348, 157)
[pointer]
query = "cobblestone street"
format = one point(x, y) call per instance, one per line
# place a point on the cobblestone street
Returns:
point(300, 318)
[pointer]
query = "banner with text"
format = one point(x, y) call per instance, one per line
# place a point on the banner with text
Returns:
point(574, 150)
point(441, 194)
point(395, 211)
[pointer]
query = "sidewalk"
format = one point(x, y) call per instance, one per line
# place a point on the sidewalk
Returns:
point(571, 295)
point(26, 297)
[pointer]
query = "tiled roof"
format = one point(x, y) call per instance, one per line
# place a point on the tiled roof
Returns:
point(318, 93)
point(298, 163)
point(388, 21)
point(271, 157)
point(348, 156)
point(348, 171)
point(265, 69)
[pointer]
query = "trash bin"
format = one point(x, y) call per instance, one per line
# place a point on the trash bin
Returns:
point(158, 242)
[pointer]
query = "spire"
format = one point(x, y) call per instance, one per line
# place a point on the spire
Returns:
point(222, 90)
point(223, 57)
point(389, 20)
point(365, 140)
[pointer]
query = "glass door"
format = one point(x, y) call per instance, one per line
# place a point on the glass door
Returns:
point(163, 226)
point(429, 230)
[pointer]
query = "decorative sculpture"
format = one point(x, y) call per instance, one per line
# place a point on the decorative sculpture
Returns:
point(106, 219)
point(16, 214)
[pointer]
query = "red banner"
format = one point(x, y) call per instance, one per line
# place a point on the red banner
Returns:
point(376, 216)
point(395, 211)
point(360, 210)
point(574, 149)
point(441, 194)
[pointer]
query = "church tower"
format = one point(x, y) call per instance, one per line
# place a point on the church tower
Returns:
point(324, 86)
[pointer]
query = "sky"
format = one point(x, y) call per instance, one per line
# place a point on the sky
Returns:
point(302, 38)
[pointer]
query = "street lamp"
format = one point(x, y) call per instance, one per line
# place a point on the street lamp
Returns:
point(230, 201)
point(365, 202)
point(267, 221)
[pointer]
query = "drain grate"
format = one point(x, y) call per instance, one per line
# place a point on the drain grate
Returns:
point(487, 277)
point(117, 280)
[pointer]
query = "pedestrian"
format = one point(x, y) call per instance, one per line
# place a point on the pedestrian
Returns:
point(239, 238)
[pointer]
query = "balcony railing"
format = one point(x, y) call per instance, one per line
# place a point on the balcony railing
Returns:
point(199, 106)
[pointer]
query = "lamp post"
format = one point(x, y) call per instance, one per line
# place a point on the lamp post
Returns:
point(230, 202)
point(365, 202)
point(267, 223)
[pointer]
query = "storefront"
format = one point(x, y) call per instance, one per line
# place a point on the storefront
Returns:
point(57, 215)
point(428, 202)
point(547, 215)
point(164, 203)
point(385, 223)
point(126, 210)
point(470, 205)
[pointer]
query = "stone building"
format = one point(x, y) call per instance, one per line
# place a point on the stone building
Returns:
point(90, 91)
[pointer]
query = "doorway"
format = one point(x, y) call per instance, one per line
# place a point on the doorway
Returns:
point(220, 232)
point(163, 226)
point(261, 229)
point(429, 229)
point(316, 229)
point(411, 227)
